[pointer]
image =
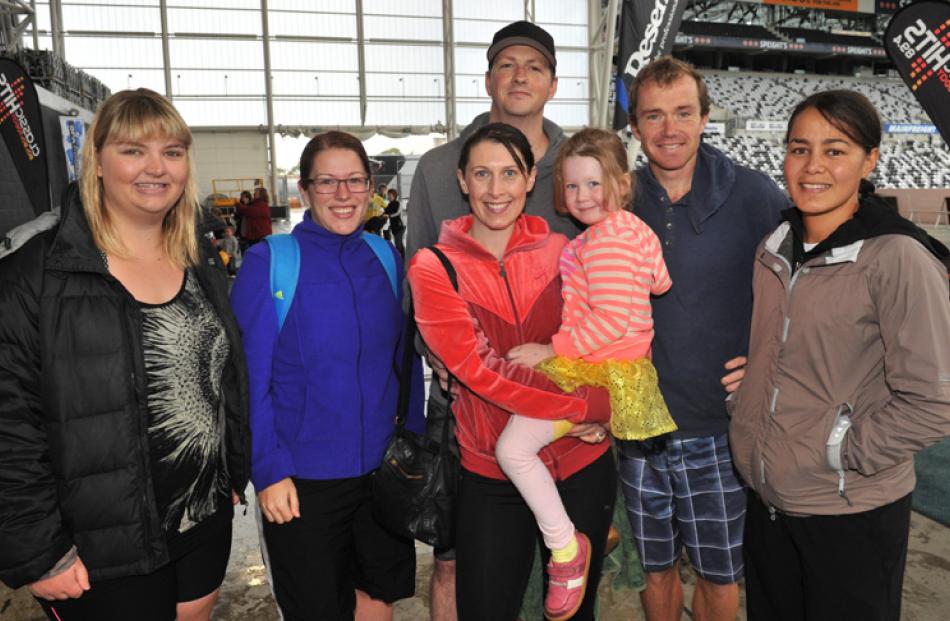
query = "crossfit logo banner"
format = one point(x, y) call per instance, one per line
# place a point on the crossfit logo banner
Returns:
point(21, 125)
point(918, 42)
point(647, 31)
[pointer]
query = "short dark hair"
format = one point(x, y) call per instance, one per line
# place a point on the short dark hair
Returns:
point(664, 71)
point(507, 136)
point(849, 112)
point(392, 192)
point(332, 139)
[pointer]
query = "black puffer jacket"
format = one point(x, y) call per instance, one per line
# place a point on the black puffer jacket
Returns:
point(74, 465)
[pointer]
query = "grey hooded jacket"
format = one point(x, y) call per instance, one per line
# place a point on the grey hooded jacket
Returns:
point(848, 374)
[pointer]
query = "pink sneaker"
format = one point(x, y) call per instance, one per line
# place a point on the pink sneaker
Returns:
point(567, 583)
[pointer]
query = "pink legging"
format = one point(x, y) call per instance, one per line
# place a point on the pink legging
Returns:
point(517, 453)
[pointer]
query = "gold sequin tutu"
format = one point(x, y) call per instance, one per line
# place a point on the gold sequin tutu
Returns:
point(637, 409)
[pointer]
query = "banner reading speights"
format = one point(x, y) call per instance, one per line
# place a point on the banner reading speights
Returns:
point(918, 42)
point(21, 125)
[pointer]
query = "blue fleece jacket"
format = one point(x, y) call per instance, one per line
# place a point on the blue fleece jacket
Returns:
point(709, 239)
point(323, 392)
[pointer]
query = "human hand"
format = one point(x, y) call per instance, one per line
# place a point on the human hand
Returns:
point(69, 584)
point(279, 501)
point(441, 373)
point(530, 354)
point(234, 497)
point(732, 380)
point(592, 433)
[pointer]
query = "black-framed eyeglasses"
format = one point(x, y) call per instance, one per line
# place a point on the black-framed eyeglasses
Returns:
point(357, 184)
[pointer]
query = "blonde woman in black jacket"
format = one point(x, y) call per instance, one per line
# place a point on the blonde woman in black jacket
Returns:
point(123, 393)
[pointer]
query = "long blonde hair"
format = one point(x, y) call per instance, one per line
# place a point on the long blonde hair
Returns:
point(133, 116)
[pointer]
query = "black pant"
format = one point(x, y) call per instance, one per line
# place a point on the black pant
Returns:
point(317, 561)
point(397, 239)
point(825, 566)
point(497, 535)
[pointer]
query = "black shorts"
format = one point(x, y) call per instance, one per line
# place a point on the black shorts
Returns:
point(198, 571)
point(317, 561)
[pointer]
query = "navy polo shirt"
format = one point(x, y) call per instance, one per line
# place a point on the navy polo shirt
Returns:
point(709, 239)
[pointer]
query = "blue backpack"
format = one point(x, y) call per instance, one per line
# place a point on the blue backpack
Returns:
point(285, 268)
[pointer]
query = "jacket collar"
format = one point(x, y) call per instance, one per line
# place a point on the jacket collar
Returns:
point(530, 232)
point(310, 228)
point(72, 249)
point(713, 179)
point(873, 218)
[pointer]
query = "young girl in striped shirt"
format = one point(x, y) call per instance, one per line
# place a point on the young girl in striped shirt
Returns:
point(608, 274)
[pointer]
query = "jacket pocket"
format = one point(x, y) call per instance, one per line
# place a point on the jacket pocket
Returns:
point(835, 444)
point(793, 462)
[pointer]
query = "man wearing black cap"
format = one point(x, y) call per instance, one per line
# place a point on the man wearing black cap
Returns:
point(520, 80)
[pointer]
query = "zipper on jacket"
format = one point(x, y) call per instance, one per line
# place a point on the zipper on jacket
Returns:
point(131, 308)
point(833, 446)
point(511, 298)
point(359, 356)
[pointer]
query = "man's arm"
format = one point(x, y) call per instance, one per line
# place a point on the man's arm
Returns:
point(421, 228)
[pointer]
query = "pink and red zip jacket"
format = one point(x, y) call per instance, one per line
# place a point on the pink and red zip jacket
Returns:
point(501, 304)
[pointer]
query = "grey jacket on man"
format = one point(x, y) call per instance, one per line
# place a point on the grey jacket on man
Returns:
point(849, 366)
point(435, 195)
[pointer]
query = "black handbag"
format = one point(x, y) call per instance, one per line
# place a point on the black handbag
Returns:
point(414, 487)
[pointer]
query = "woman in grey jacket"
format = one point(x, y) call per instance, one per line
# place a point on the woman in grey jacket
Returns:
point(848, 377)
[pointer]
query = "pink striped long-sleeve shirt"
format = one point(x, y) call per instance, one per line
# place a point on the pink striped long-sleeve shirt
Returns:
point(608, 273)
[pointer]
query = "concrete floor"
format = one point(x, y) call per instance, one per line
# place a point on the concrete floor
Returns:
point(245, 595)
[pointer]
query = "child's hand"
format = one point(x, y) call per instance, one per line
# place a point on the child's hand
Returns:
point(530, 354)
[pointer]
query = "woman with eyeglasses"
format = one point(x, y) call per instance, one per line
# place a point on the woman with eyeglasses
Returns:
point(323, 392)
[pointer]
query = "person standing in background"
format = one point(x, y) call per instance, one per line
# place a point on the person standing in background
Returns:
point(255, 217)
point(396, 225)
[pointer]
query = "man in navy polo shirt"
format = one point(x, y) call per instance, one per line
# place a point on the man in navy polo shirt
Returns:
point(710, 214)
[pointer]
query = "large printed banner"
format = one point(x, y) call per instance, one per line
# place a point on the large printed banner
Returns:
point(770, 45)
point(918, 42)
point(830, 5)
point(647, 31)
point(853, 6)
point(21, 125)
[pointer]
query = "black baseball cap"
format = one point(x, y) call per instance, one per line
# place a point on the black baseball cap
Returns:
point(523, 33)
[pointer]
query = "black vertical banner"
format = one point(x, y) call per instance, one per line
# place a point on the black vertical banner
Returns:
point(917, 41)
point(21, 125)
point(647, 31)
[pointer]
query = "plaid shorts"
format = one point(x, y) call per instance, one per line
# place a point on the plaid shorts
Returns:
point(685, 493)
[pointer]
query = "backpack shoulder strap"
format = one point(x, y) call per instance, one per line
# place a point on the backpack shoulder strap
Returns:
point(449, 268)
point(284, 272)
point(384, 252)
